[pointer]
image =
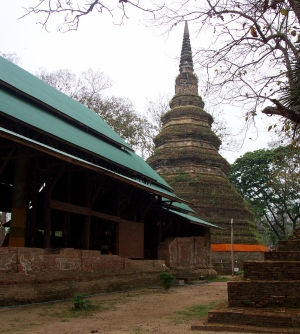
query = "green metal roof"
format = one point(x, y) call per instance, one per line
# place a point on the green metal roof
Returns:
point(24, 81)
point(193, 219)
point(62, 129)
point(177, 205)
point(73, 159)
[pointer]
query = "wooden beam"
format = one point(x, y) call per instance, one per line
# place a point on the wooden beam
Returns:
point(81, 210)
point(11, 152)
point(84, 164)
point(57, 176)
point(99, 187)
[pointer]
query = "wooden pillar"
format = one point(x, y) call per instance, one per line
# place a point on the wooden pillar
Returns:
point(34, 203)
point(159, 223)
point(17, 236)
point(87, 219)
point(47, 212)
point(68, 214)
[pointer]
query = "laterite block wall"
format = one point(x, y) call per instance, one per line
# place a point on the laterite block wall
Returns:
point(33, 275)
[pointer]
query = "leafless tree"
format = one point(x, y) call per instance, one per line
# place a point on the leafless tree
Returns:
point(253, 44)
point(12, 56)
point(119, 113)
point(252, 49)
point(71, 12)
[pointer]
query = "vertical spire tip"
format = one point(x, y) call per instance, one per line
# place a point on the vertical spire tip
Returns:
point(186, 29)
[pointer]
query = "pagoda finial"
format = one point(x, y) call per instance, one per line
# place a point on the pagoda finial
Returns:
point(186, 60)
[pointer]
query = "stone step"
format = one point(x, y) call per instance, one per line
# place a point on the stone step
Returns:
point(271, 270)
point(258, 294)
point(282, 256)
point(290, 245)
point(251, 320)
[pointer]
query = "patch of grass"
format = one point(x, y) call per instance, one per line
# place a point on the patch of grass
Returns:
point(70, 312)
point(194, 312)
point(140, 330)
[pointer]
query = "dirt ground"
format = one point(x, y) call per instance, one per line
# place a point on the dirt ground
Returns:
point(140, 311)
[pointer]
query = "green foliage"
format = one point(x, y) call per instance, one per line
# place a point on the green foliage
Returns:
point(269, 180)
point(213, 197)
point(80, 302)
point(166, 279)
point(181, 177)
point(240, 272)
point(192, 313)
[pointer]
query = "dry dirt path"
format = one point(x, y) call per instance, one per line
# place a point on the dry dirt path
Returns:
point(135, 312)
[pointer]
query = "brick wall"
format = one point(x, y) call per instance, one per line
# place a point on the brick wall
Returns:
point(186, 252)
point(221, 261)
point(282, 256)
point(34, 275)
point(255, 319)
point(264, 294)
point(289, 245)
point(279, 270)
point(22, 289)
point(35, 260)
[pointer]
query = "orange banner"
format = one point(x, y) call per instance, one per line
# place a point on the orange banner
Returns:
point(238, 248)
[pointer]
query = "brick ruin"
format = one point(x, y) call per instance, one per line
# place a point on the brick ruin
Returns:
point(266, 298)
point(35, 275)
point(186, 156)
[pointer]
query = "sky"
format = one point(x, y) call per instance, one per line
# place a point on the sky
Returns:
point(141, 62)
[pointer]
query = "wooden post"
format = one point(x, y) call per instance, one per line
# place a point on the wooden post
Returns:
point(34, 203)
point(159, 223)
point(68, 214)
point(17, 235)
point(87, 219)
point(232, 259)
point(47, 212)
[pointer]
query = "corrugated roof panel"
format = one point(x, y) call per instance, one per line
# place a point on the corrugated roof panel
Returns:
point(49, 123)
point(193, 219)
point(24, 81)
point(178, 205)
point(150, 187)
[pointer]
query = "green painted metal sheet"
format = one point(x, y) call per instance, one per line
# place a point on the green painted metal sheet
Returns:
point(181, 206)
point(60, 128)
point(150, 187)
point(24, 81)
point(193, 219)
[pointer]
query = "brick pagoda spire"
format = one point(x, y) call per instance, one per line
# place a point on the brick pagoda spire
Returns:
point(187, 157)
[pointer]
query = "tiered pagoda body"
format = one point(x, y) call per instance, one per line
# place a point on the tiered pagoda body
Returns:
point(187, 157)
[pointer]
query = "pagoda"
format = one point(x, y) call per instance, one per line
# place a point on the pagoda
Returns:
point(186, 156)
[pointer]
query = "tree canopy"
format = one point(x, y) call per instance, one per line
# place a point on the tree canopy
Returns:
point(118, 112)
point(269, 180)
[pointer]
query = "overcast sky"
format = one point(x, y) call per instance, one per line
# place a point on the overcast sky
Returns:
point(140, 61)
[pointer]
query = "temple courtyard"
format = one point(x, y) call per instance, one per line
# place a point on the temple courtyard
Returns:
point(140, 311)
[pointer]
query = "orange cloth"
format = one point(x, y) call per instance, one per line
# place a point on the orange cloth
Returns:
point(238, 248)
